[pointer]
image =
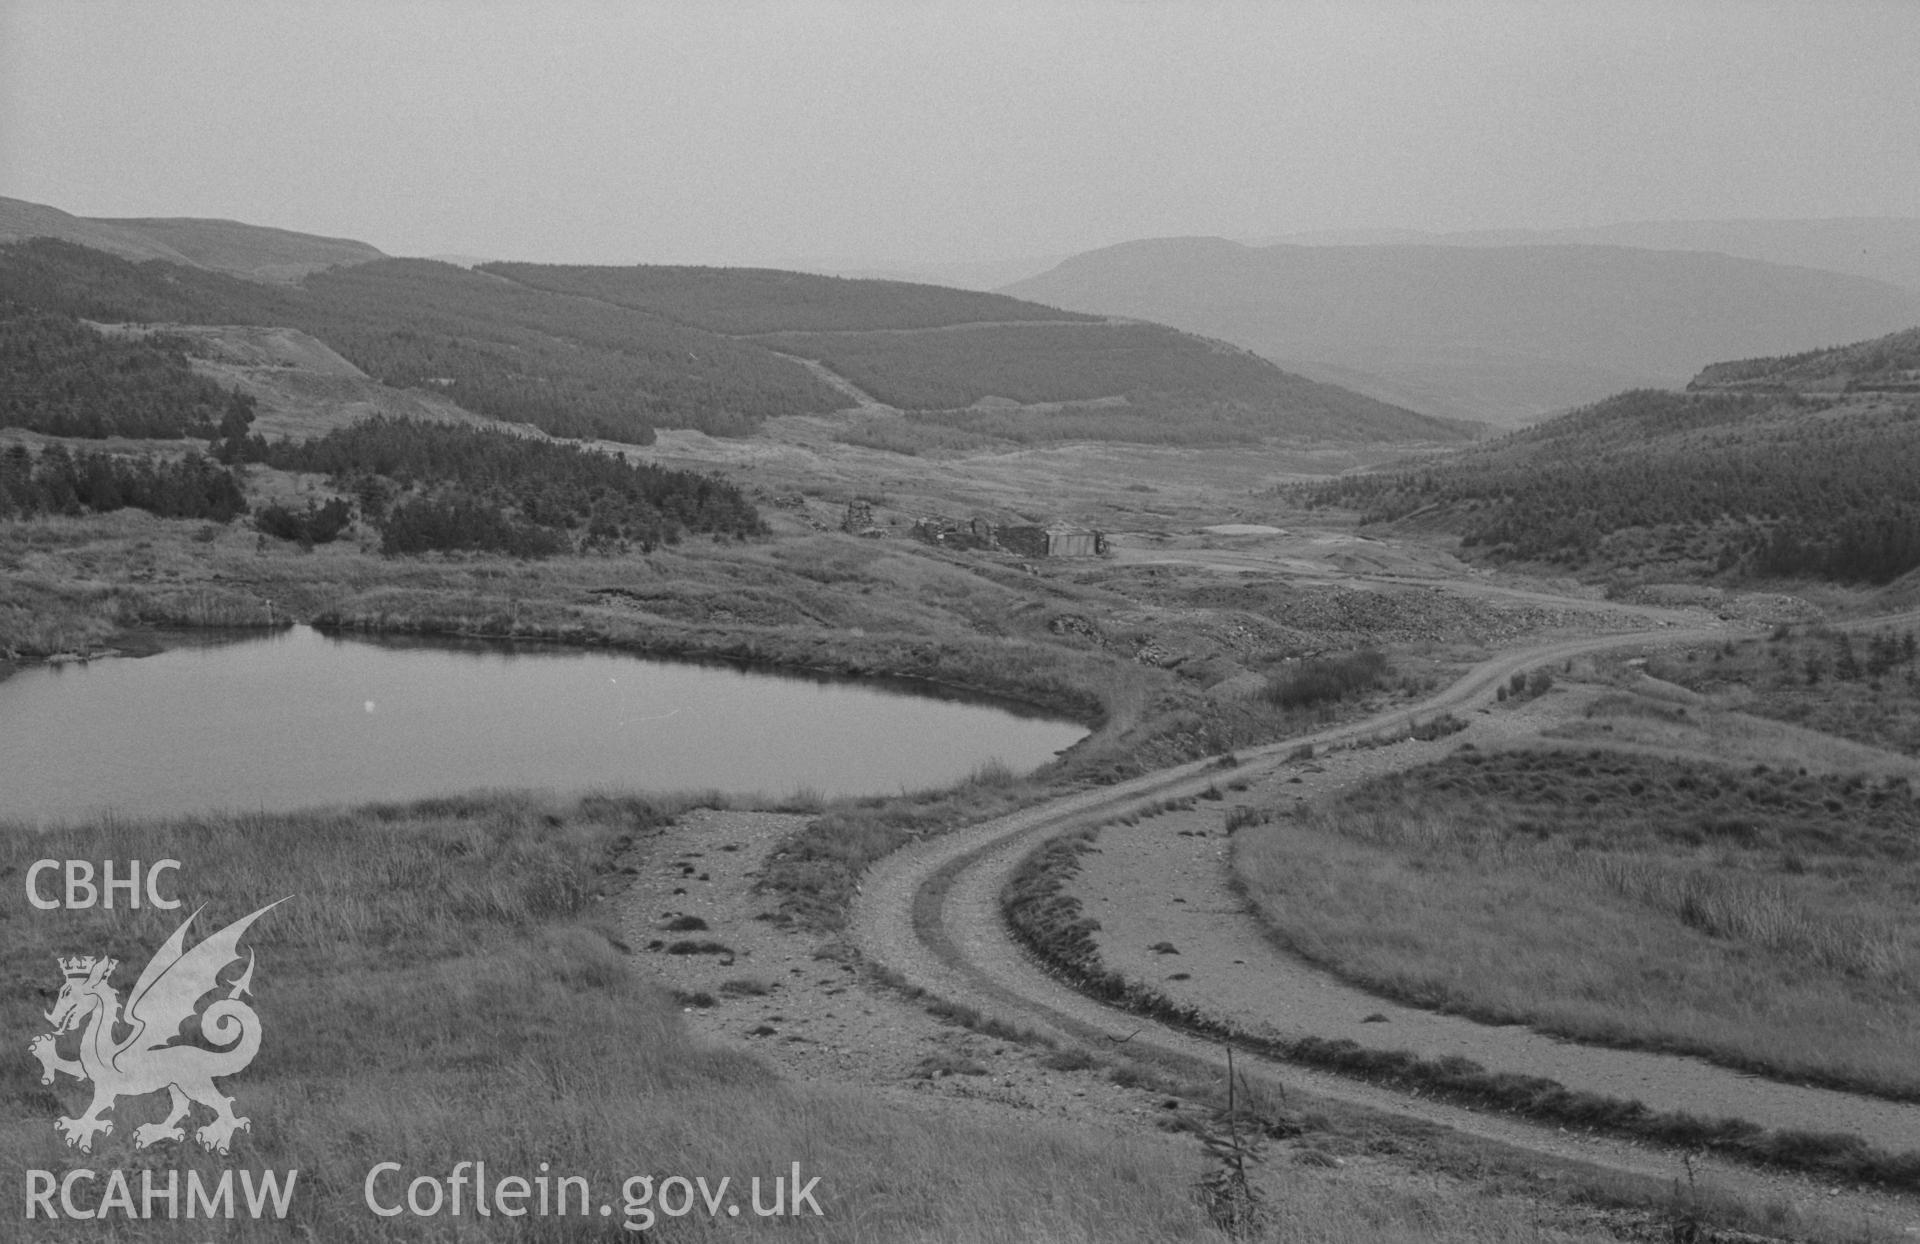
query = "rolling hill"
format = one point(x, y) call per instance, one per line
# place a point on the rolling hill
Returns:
point(569, 366)
point(615, 352)
point(968, 368)
point(1503, 334)
point(1889, 364)
point(252, 251)
point(1780, 471)
point(747, 301)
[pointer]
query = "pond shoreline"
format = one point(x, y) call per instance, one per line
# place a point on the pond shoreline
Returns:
point(300, 716)
point(740, 653)
point(730, 656)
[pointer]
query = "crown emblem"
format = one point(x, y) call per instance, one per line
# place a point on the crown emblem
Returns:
point(167, 997)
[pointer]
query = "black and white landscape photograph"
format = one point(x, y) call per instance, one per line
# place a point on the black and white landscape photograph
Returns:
point(960, 621)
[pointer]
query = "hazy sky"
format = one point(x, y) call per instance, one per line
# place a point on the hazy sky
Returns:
point(733, 132)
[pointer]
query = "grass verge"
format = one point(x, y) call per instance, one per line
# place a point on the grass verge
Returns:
point(816, 872)
point(1050, 922)
point(1758, 917)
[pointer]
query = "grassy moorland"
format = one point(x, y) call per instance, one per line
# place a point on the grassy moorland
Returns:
point(1050, 920)
point(1762, 918)
point(1863, 686)
point(444, 986)
point(826, 603)
point(1119, 652)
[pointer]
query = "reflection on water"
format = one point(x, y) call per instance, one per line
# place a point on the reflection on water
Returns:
point(298, 719)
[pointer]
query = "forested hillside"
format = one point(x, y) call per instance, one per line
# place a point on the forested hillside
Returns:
point(766, 300)
point(442, 486)
point(570, 366)
point(253, 251)
point(1889, 364)
point(924, 348)
point(1173, 387)
point(58, 481)
point(64, 378)
point(1740, 485)
point(610, 353)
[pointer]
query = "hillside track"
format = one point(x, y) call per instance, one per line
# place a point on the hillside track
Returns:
point(1299, 570)
point(962, 327)
point(931, 913)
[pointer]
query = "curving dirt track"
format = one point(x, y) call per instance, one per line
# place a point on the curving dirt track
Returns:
point(1254, 560)
point(931, 913)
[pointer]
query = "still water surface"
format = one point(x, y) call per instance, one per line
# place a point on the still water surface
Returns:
point(299, 719)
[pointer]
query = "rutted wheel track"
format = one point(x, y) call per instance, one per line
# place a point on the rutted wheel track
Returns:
point(931, 913)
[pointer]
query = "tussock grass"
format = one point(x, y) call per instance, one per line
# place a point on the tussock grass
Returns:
point(816, 871)
point(1051, 923)
point(1756, 917)
point(1863, 686)
point(440, 989)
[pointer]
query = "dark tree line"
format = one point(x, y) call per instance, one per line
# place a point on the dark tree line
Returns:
point(765, 300)
point(317, 524)
point(63, 378)
point(1875, 544)
point(58, 481)
point(1884, 652)
point(1760, 485)
point(448, 486)
point(456, 521)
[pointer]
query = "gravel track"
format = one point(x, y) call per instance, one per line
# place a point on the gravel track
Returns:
point(1148, 884)
point(931, 913)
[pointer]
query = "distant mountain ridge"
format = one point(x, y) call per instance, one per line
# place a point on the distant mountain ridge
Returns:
point(256, 252)
point(1499, 333)
point(1881, 248)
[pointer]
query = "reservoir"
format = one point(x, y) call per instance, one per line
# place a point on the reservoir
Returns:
point(299, 719)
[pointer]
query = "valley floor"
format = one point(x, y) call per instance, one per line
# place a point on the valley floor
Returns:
point(1166, 646)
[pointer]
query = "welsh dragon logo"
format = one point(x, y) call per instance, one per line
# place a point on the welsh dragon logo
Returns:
point(146, 1059)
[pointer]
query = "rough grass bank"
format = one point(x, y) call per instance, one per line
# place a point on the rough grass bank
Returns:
point(440, 988)
point(1761, 917)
